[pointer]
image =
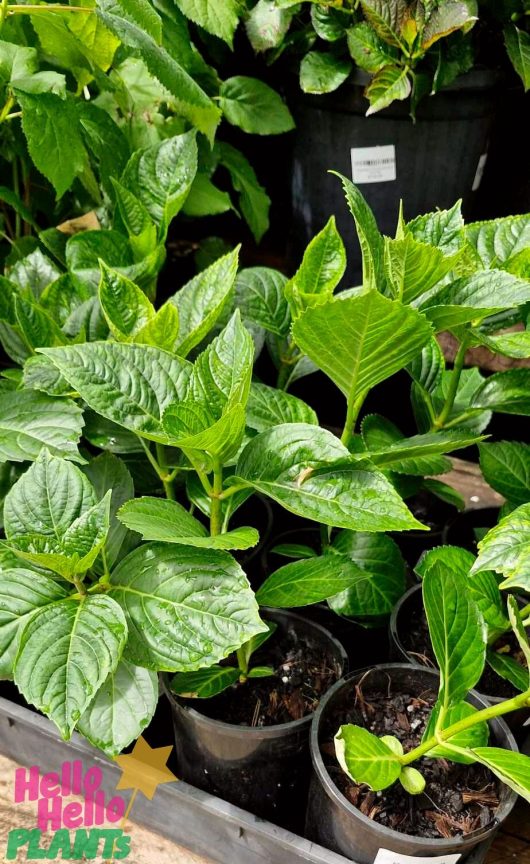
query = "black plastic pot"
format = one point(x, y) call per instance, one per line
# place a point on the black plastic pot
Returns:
point(409, 606)
point(263, 770)
point(333, 821)
point(438, 159)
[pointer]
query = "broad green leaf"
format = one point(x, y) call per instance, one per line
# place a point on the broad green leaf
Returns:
point(254, 202)
point(367, 49)
point(442, 228)
point(386, 18)
point(472, 298)
point(475, 736)
point(17, 61)
point(136, 220)
point(390, 84)
point(517, 43)
point(203, 300)
point(189, 98)
point(218, 17)
point(186, 607)
point(192, 427)
point(162, 330)
point(516, 345)
point(451, 557)
point(323, 72)
point(261, 299)
point(34, 273)
point(413, 267)
point(22, 593)
point(162, 175)
point(506, 392)
point(383, 568)
point(484, 588)
point(123, 707)
point(329, 22)
point(266, 25)
point(108, 472)
point(447, 18)
point(320, 272)
point(30, 421)
point(254, 107)
point(41, 374)
point(509, 669)
point(125, 306)
point(261, 672)
point(129, 384)
point(506, 549)
point(471, 382)
point(206, 199)
point(366, 758)
point(279, 463)
point(268, 407)
point(511, 768)
point(370, 239)
point(505, 465)
point(204, 683)
point(311, 580)
point(498, 240)
point(360, 341)
point(457, 631)
point(36, 327)
point(105, 435)
point(67, 651)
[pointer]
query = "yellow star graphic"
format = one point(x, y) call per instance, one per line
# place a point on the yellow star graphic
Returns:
point(145, 768)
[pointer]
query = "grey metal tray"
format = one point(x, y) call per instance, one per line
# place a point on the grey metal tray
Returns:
point(192, 818)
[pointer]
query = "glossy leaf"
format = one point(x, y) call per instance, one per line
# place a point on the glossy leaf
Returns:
point(370, 239)
point(390, 84)
point(475, 736)
point(442, 228)
point(267, 407)
point(505, 465)
point(107, 472)
point(320, 272)
point(254, 107)
point(516, 345)
point(218, 17)
point(506, 392)
point(323, 72)
point(471, 298)
point(368, 49)
point(366, 758)
point(509, 669)
point(498, 240)
point(506, 548)
point(518, 47)
point(413, 267)
point(30, 421)
point(204, 683)
point(383, 568)
point(310, 581)
point(126, 307)
point(511, 768)
point(260, 297)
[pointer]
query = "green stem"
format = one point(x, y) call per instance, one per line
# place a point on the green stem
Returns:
point(3, 12)
point(525, 611)
point(4, 113)
point(216, 508)
point(458, 367)
point(352, 414)
point(166, 477)
point(325, 537)
point(480, 717)
point(79, 585)
point(242, 661)
point(232, 491)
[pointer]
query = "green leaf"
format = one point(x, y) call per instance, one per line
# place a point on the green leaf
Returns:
point(517, 43)
point(254, 107)
point(386, 18)
point(268, 407)
point(249, 648)
point(41, 374)
point(320, 272)
point(457, 630)
point(367, 49)
point(30, 421)
point(34, 273)
point(443, 229)
point(506, 392)
point(108, 472)
point(189, 98)
point(383, 568)
point(516, 345)
point(123, 707)
point(475, 736)
point(360, 341)
point(390, 84)
point(279, 463)
point(218, 17)
point(125, 306)
point(470, 383)
point(129, 384)
point(509, 669)
point(370, 239)
point(511, 768)
point(67, 651)
point(50, 124)
point(261, 299)
point(266, 25)
point(505, 465)
point(294, 550)
point(484, 588)
point(169, 522)
point(472, 298)
point(413, 267)
point(366, 758)
point(161, 176)
point(36, 326)
point(506, 549)
point(447, 18)
point(261, 672)
point(205, 199)
point(136, 219)
point(498, 240)
point(193, 427)
point(254, 202)
point(323, 72)
point(204, 683)
point(17, 61)
point(162, 330)
point(412, 781)
point(186, 607)
point(518, 628)
point(22, 593)
point(203, 300)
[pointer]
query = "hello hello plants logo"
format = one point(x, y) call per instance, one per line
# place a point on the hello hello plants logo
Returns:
point(76, 826)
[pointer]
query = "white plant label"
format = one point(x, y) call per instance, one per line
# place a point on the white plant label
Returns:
point(373, 164)
point(384, 856)
point(479, 173)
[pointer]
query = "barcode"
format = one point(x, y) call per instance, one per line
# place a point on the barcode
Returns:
point(375, 161)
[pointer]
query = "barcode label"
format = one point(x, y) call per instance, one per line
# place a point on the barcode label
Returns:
point(373, 164)
point(385, 856)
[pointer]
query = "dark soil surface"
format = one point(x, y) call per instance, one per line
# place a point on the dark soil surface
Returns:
point(414, 635)
point(304, 669)
point(458, 799)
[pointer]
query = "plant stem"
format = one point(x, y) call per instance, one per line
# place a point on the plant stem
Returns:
point(166, 477)
point(242, 661)
point(480, 717)
point(458, 367)
point(325, 536)
point(216, 508)
point(4, 113)
point(232, 491)
point(3, 12)
point(352, 414)
point(79, 585)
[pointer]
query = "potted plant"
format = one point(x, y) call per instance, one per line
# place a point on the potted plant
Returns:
point(398, 730)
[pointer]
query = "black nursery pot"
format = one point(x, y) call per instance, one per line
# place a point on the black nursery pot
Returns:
point(265, 770)
point(409, 608)
point(336, 823)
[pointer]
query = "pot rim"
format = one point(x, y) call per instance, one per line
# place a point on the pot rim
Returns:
point(344, 805)
point(260, 732)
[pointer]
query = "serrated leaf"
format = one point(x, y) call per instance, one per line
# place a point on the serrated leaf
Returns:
point(204, 683)
point(279, 463)
point(383, 567)
point(320, 272)
point(366, 758)
point(192, 427)
point(268, 407)
point(472, 298)
point(41, 374)
point(30, 421)
point(187, 607)
point(36, 327)
point(266, 25)
point(311, 580)
point(162, 330)
point(508, 669)
point(129, 384)
point(418, 455)
point(505, 465)
point(261, 299)
point(506, 392)
point(390, 84)
point(218, 17)
point(498, 240)
point(506, 549)
point(367, 49)
point(447, 18)
point(443, 229)
point(517, 43)
point(126, 307)
point(413, 267)
point(123, 707)
point(386, 18)
point(323, 72)
point(516, 345)
point(370, 238)
point(66, 652)
point(511, 768)
point(254, 107)
point(108, 472)
point(34, 273)
point(22, 593)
